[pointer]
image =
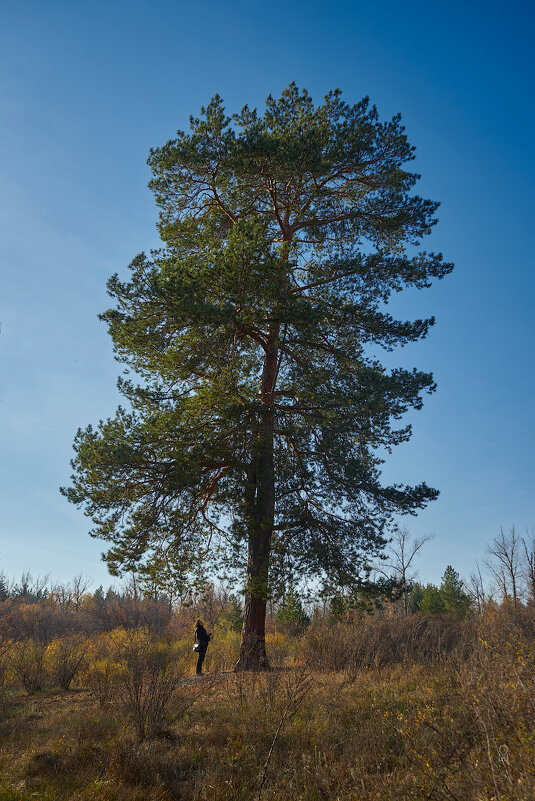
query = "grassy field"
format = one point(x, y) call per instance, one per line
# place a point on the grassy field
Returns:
point(137, 725)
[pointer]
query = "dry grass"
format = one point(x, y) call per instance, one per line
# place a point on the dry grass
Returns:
point(417, 639)
point(457, 726)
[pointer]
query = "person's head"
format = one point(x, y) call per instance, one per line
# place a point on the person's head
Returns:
point(199, 623)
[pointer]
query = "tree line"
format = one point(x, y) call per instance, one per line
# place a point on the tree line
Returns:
point(41, 610)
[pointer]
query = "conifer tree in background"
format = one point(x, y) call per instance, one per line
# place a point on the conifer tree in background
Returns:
point(4, 587)
point(291, 609)
point(452, 593)
point(449, 597)
point(431, 602)
point(415, 597)
point(232, 613)
point(259, 413)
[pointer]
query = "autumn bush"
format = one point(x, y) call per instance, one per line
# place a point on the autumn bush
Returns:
point(28, 664)
point(4, 674)
point(65, 659)
point(372, 642)
point(223, 650)
point(101, 669)
point(147, 679)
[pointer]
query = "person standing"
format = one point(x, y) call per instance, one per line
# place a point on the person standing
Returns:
point(202, 638)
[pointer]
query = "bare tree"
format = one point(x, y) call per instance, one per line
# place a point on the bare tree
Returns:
point(80, 585)
point(69, 596)
point(30, 589)
point(528, 567)
point(62, 595)
point(403, 550)
point(503, 562)
point(476, 589)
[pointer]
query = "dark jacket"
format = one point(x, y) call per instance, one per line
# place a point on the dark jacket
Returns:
point(202, 636)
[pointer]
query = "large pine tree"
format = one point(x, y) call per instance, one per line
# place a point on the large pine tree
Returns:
point(260, 410)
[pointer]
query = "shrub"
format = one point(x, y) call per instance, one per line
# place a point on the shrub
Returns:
point(101, 676)
point(375, 643)
point(283, 649)
point(28, 664)
point(223, 650)
point(65, 659)
point(100, 668)
point(4, 667)
point(148, 676)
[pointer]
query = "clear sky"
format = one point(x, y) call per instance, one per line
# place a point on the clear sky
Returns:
point(87, 88)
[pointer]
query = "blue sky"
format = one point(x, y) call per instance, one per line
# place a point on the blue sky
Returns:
point(87, 89)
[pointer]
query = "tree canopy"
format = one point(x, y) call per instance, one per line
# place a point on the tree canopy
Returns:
point(255, 425)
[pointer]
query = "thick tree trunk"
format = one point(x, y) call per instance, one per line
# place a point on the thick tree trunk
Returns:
point(253, 640)
point(261, 504)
